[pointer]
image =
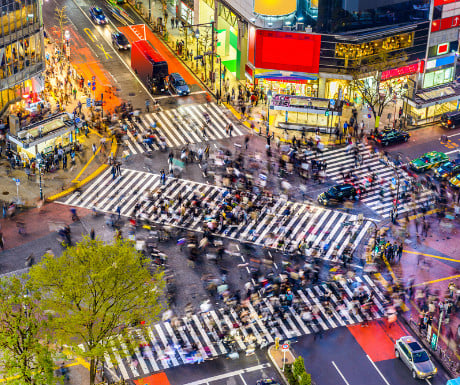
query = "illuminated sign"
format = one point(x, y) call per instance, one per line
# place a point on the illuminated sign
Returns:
point(275, 7)
point(288, 51)
point(446, 23)
point(402, 71)
point(443, 48)
point(442, 2)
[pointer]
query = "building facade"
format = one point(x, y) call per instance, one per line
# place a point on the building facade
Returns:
point(22, 53)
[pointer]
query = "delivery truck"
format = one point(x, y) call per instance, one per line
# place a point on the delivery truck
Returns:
point(149, 65)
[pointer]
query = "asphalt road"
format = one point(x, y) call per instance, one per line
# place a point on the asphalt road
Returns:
point(359, 356)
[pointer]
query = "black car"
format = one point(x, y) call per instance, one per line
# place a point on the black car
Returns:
point(339, 193)
point(450, 119)
point(120, 41)
point(385, 138)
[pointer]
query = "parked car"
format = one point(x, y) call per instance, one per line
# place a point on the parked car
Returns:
point(455, 181)
point(97, 15)
point(386, 138)
point(340, 193)
point(428, 160)
point(178, 84)
point(450, 119)
point(415, 357)
point(448, 169)
point(267, 381)
point(120, 41)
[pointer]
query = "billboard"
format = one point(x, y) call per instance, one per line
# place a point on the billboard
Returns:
point(274, 7)
point(288, 51)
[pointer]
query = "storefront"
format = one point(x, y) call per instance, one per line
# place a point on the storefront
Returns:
point(286, 83)
point(44, 136)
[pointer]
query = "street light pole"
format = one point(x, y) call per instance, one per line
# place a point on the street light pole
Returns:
point(212, 53)
point(40, 179)
point(150, 11)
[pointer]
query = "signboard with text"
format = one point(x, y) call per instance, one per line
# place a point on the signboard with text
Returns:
point(402, 71)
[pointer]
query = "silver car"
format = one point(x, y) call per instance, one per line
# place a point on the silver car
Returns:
point(415, 357)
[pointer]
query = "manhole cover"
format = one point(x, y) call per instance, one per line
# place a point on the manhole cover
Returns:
point(5, 193)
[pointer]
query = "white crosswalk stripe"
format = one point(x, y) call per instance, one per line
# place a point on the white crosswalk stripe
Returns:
point(202, 330)
point(340, 162)
point(279, 225)
point(181, 126)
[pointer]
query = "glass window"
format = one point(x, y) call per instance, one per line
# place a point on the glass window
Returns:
point(429, 80)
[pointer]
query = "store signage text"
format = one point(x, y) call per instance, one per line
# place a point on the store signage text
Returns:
point(446, 23)
point(442, 2)
point(402, 71)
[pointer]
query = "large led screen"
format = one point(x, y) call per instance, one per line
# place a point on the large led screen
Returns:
point(274, 7)
point(298, 52)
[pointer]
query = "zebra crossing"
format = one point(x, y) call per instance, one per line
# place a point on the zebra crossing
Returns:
point(291, 221)
point(181, 126)
point(340, 162)
point(163, 345)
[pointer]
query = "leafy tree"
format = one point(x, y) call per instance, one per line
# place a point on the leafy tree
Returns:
point(94, 291)
point(367, 80)
point(25, 354)
point(305, 379)
point(61, 20)
point(298, 367)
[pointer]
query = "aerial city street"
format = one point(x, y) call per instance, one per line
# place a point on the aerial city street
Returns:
point(202, 192)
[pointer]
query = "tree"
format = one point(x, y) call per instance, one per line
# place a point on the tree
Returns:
point(367, 80)
point(298, 367)
point(25, 354)
point(61, 19)
point(94, 291)
point(305, 379)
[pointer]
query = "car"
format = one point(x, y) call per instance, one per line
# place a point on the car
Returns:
point(450, 119)
point(267, 381)
point(385, 138)
point(428, 160)
point(340, 193)
point(448, 169)
point(97, 15)
point(178, 84)
point(415, 357)
point(120, 41)
point(455, 181)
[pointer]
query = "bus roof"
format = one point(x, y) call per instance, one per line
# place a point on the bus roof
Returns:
point(149, 51)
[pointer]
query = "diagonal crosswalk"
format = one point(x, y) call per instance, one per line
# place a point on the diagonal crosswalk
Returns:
point(276, 223)
point(340, 162)
point(181, 126)
point(166, 345)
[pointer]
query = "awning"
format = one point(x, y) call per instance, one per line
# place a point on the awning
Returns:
point(292, 77)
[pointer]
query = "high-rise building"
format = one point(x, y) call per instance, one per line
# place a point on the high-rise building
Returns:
point(22, 56)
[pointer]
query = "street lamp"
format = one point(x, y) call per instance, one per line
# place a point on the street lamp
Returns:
point(197, 35)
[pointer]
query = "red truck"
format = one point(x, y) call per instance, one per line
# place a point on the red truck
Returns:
point(149, 65)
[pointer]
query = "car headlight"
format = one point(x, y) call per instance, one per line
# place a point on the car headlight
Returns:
point(435, 370)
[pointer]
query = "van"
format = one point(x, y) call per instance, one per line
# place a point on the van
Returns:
point(450, 119)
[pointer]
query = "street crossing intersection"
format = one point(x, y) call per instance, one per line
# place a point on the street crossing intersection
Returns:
point(340, 162)
point(158, 347)
point(322, 227)
point(181, 126)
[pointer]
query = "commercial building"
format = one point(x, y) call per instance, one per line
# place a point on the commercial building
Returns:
point(22, 59)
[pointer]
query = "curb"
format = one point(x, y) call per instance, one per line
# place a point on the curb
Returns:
point(280, 372)
point(83, 182)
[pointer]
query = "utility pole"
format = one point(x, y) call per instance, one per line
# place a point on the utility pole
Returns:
point(150, 11)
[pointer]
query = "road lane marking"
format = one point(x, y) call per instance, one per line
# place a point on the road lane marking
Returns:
point(230, 374)
point(451, 152)
point(378, 370)
point(101, 47)
point(437, 280)
point(90, 34)
point(341, 374)
point(242, 379)
point(431, 256)
point(451, 136)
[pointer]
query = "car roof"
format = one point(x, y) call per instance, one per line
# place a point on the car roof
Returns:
point(176, 75)
point(412, 343)
point(452, 114)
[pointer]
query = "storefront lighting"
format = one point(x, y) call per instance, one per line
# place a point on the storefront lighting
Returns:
point(197, 33)
point(288, 23)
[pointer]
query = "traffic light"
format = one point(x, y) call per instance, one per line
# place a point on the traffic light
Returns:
point(326, 113)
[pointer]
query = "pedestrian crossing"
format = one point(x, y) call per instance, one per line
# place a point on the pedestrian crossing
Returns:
point(280, 224)
point(340, 162)
point(181, 126)
point(170, 343)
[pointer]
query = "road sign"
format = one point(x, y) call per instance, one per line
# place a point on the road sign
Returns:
point(285, 347)
point(94, 77)
point(94, 88)
point(88, 102)
point(369, 108)
point(368, 116)
point(89, 83)
point(17, 181)
point(332, 102)
point(77, 120)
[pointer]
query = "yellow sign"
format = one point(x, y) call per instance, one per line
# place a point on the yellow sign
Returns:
point(274, 7)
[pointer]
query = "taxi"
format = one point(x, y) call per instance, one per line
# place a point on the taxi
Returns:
point(455, 181)
point(428, 160)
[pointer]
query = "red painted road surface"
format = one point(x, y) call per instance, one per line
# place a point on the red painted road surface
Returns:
point(156, 379)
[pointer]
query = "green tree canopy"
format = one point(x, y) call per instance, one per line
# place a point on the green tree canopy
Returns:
point(94, 290)
point(25, 354)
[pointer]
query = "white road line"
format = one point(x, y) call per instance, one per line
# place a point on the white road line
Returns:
point(229, 374)
point(378, 370)
point(341, 374)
